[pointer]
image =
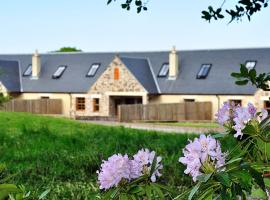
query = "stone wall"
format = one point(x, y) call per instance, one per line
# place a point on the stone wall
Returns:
point(106, 86)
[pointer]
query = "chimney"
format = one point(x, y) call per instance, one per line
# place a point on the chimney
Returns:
point(173, 64)
point(36, 66)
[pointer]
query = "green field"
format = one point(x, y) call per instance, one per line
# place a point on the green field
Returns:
point(64, 155)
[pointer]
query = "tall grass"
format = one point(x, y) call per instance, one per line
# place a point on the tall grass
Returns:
point(64, 155)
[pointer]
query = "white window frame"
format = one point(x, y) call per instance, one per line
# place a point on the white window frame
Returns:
point(93, 70)
point(28, 71)
point(251, 64)
point(59, 72)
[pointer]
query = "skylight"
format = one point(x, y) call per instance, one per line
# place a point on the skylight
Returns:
point(59, 72)
point(93, 70)
point(28, 71)
point(250, 64)
point(164, 70)
point(203, 73)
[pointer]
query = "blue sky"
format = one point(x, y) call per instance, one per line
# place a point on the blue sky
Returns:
point(93, 26)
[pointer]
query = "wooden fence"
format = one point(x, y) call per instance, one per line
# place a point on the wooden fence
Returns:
point(37, 106)
point(193, 111)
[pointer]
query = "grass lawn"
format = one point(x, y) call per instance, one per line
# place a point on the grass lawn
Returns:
point(64, 155)
point(190, 124)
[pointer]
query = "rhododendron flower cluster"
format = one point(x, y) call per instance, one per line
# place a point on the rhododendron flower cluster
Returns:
point(239, 116)
point(203, 155)
point(145, 158)
point(120, 168)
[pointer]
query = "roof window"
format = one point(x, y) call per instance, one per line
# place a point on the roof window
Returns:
point(204, 71)
point(28, 71)
point(93, 70)
point(59, 72)
point(163, 72)
point(250, 64)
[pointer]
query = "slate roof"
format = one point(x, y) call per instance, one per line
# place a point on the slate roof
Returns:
point(10, 75)
point(141, 69)
point(74, 80)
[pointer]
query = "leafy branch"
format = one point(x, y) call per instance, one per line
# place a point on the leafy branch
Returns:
point(245, 76)
point(242, 8)
point(141, 5)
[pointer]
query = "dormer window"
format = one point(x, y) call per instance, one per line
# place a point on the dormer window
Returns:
point(163, 72)
point(204, 71)
point(250, 64)
point(28, 71)
point(93, 70)
point(59, 72)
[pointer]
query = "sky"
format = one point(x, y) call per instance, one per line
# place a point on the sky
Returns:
point(94, 26)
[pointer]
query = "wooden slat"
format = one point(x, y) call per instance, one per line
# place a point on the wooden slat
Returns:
point(196, 111)
point(37, 106)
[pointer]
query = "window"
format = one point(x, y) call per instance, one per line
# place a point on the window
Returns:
point(80, 103)
point(93, 70)
point(204, 71)
point(28, 71)
point(116, 73)
point(189, 100)
point(267, 106)
point(59, 72)
point(236, 102)
point(164, 70)
point(95, 105)
point(45, 97)
point(250, 64)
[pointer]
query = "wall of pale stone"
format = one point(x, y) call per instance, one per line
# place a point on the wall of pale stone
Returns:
point(106, 86)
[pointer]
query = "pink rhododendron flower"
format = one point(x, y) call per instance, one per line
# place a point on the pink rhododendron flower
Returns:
point(145, 159)
point(239, 116)
point(119, 167)
point(242, 117)
point(252, 110)
point(263, 115)
point(197, 153)
point(113, 171)
point(223, 116)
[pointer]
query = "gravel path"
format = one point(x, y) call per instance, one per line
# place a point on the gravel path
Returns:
point(157, 127)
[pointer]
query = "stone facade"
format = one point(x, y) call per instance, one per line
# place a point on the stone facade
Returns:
point(106, 86)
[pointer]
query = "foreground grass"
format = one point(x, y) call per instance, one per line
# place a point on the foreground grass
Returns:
point(64, 155)
point(190, 124)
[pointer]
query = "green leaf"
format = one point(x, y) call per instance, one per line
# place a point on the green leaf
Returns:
point(148, 190)
point(135, 190)
point(123, 197)
point(138, 2)
point(236, 75)
point(124, 5)
point(158, 191)
point(253, 74)
point(153, 166)
point(243, 82)
point(257, 177)
point(224, 179)
point(204, 178)
point(243, 70)
point(194, 190)
point(44, 194)
point(206, 195)
point(114, 193)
